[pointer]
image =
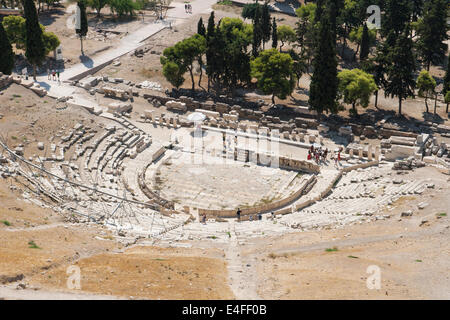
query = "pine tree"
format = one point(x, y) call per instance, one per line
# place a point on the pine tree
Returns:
point(82, 32)
point(324, 81)
point(400, 81)
point(274, 34)
point(265, 24)
point(6, 53)
point(397, 15)
point(365, 45)
point(35, 48)
point(201, 27)
point(432, 33)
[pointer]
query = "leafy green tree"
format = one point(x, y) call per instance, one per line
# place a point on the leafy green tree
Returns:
point(173, 73)
point(236, 37)
point(15, 29)
point(51, 41)
point(426, 85)
point(356, 87)
point(350, 18)
point(185, 53)
point(82, 32)
point(123, 7)
point(274, 34)
point(285, 34)
point(98, 5)
point(432, 33)
point(6, 53)
point(35, 48)
point(305, 25)
point(273, 70)
point(400, 81)
point(324, 82)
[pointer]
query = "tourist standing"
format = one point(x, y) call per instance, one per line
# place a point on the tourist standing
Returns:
point(238, 214)
point(57, 73)
point(48, 74)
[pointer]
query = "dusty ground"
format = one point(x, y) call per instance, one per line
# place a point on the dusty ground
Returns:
point(412, 256)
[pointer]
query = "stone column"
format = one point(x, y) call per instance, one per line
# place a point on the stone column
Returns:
point(369, 153)
point(377, 153)
point(350, 152)
point(361, 152)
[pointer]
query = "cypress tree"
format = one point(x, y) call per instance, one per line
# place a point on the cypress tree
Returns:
point(201, 31)
point(82, 32)
point(274, 34)
point(324, 81)
point(6, 53)
point(364, 43)
point(400, 80)
point(257, 31)
point(201, 27)
point(35, 48)
point(265, 24)
point(210, 35)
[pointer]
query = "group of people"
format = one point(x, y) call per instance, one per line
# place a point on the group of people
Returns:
point(250, 218)
point(318, 154)
point(53, 75)
point(188, 8)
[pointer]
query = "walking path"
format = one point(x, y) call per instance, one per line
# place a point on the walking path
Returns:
point(241, 278)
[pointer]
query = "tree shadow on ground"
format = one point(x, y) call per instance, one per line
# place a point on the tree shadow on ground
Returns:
point(86, 61)
point(428, 116)
point(46, 18)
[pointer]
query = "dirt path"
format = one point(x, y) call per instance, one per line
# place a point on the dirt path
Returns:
point(241, 280)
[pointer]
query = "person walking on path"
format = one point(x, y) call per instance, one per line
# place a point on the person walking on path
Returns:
point(238, 214)
point(53, 75)
point(58, 73)
point(48, 74)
